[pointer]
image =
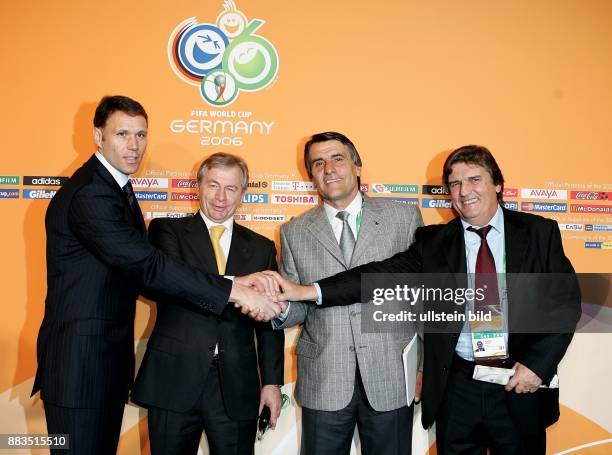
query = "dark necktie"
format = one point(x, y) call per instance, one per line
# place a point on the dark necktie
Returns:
point(128, 190)
point(486, 279)
point(486, 274)
point(347, 239)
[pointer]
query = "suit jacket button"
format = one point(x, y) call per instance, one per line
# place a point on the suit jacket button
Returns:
point(353, 314)
point(352, 348)
point(211, 348)
point(444, 370)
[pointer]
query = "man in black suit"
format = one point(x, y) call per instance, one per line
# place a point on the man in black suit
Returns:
point(472, 416)
point(200, 369)
point(98, 259)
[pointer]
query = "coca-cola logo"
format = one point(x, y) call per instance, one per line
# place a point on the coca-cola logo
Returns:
point(590, 195)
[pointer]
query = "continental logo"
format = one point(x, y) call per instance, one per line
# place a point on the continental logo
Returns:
point(387, 188)
point(184, 197)
point(436, 203)
point(151, 195)
point(531, 193)
point(295, 199)
point(255, 198)
point(184, 183)
point(434, 190)
point(9, 180)
point(43, 180)
point(38, 194)
point(543, 207)
point(581, 208)
point(9, 193)
point(591, 195)
point(148, 182)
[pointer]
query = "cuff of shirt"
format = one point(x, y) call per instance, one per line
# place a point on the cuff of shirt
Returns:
point(281, 318)
point(319, 295)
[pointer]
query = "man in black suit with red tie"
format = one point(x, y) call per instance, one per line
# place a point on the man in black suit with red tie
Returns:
point(200, 370)
point(472, 416)
point(98, 260)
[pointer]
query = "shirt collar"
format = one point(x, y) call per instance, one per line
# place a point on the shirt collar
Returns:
point(497, 222)
point(119, 176)
point(353, 208)
point(228, 224)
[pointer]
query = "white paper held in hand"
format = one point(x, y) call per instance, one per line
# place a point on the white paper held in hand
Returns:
point(410, 358)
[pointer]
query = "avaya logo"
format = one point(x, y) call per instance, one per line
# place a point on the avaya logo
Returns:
point(544, 193)
point(148, 182)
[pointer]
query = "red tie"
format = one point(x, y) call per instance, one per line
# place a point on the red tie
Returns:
point(486, 274)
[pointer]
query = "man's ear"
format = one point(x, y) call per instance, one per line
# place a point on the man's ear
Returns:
point(97, 136)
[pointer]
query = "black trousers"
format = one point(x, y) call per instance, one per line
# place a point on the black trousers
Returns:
point(91, 431)
point(179, 433)
point(381, 433)
point(474, 417)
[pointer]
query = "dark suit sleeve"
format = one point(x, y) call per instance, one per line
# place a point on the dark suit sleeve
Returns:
point(271, 343)
point(345, 288)
point(98, 220)
point(545, 353)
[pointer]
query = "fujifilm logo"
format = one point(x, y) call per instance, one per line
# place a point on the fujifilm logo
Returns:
point(43, 180)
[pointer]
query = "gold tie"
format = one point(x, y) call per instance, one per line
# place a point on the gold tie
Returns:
point(215, 234)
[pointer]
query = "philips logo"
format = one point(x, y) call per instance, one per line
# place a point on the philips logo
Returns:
point(151, 195)
point(255, 198)
point(436, 204)
point(38, 194)
point(44, 181)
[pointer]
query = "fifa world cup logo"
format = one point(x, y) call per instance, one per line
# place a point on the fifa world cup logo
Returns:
point(219, 81)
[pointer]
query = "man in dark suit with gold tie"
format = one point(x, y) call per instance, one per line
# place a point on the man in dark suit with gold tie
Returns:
point(200, 371)
point(98, 260)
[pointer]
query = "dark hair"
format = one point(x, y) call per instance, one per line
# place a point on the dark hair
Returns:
point(329, 136)
point(225, 160)
point(110, 104)
point(475, 154)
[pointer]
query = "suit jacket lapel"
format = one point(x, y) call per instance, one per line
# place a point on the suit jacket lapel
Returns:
point(199, 241)
point(517, 242)
point(322, 232)
point(455, 253)
point(371, 225)
point(239, 253)
point(136, 218)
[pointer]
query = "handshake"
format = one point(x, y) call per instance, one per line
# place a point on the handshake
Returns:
point(264, 295)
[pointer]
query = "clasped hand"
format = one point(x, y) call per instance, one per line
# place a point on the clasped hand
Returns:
point(264, 295)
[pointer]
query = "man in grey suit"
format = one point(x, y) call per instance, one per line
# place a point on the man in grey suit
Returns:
point(346, 377)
